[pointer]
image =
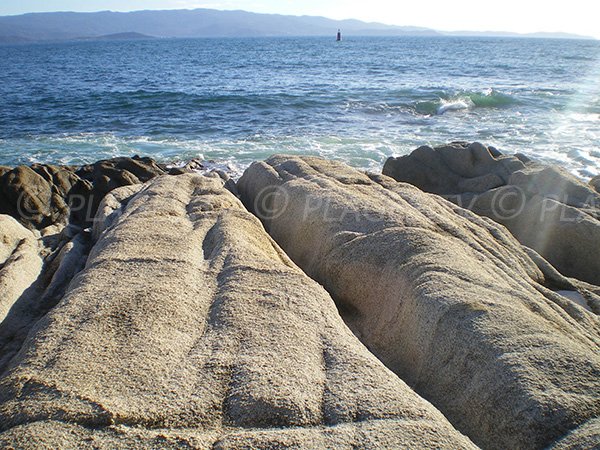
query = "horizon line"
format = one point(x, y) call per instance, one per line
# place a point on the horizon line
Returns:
point(570, 35)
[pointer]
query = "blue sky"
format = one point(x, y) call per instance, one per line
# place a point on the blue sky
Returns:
point(575, 16)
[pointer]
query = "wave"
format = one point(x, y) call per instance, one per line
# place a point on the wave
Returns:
point(456, 105)
point(464, 101)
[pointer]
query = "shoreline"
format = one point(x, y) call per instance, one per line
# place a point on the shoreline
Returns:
point(436, 301)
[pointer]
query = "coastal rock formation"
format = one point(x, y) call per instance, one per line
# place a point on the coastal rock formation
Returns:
point(585, 437)
point(33, 277)
point(544, 207)
point(44, 195)
point(190, 327)
point(106, 175)
point(448, 300)
point(595, 183)
point(36, 195)
point(20, 262)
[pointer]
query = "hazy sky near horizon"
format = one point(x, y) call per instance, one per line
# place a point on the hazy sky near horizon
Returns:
point(573, 16)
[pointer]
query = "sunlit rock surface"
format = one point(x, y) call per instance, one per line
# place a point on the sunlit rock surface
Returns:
point(190, 327)
point(448, 300)
point(20, 262)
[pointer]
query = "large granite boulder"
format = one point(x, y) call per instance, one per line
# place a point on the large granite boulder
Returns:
point(544, 207)
point(189, 327)
point(450, 301)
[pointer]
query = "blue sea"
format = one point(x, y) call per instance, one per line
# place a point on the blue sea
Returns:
point(238, 100)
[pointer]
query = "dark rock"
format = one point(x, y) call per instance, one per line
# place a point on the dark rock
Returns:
point(494, 151)
point(194, 164)
point(178, 171)
point(521, 157)
point(31, 198)
point(44, 195)
point(446, 169)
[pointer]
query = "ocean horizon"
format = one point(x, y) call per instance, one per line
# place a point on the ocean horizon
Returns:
point(236, 100)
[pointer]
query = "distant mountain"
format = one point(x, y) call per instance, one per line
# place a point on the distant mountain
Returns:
point(184, 23)
point(190, 23)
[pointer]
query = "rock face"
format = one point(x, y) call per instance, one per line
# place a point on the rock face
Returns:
point(36, 195)
point(595, 183)
point(103, 176)
point(44, 195)
point(33, 278)
point(190, 327)
point(447, 299)
point(544, 207)
point(20, 262)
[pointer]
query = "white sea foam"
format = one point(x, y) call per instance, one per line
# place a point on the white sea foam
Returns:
point(454, 105)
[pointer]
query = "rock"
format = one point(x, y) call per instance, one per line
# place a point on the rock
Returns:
point(37, 276)
point(190, 327)
point(111, 207)
point(595, 183)
point(30, 198)
point(42, 196)
point(106, 175)
point(447, 169)
point(544, 207)
point(4, 169)
point(178, 171)
point(585, 437)
point(448, 300)
point(20, 262)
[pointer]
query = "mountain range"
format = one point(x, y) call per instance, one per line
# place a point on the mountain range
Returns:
point(61, 26)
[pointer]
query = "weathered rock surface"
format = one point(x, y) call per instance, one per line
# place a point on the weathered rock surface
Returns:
point(190, 327)
point(544, 207)
point(45, 195)
point(36, 195)
point(106, 175)
point(20, 262)
point(447, 299)
point(595, 183)
point(586, 437)
point(33, 278)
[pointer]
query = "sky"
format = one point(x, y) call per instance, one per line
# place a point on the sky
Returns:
point(523, 16)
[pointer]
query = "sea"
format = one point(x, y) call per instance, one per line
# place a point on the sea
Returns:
point(235, 100)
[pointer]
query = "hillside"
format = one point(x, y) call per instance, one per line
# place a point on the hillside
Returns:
point(184, 24)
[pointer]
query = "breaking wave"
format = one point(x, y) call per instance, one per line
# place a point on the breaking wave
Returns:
point(465, 101)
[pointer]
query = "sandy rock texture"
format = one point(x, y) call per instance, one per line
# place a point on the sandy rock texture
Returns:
point(33, 277)
point(190, 327)
point(450, 301)
point(20, 262)
point(544, 207)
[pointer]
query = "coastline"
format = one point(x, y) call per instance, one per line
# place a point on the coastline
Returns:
point(468, 278)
